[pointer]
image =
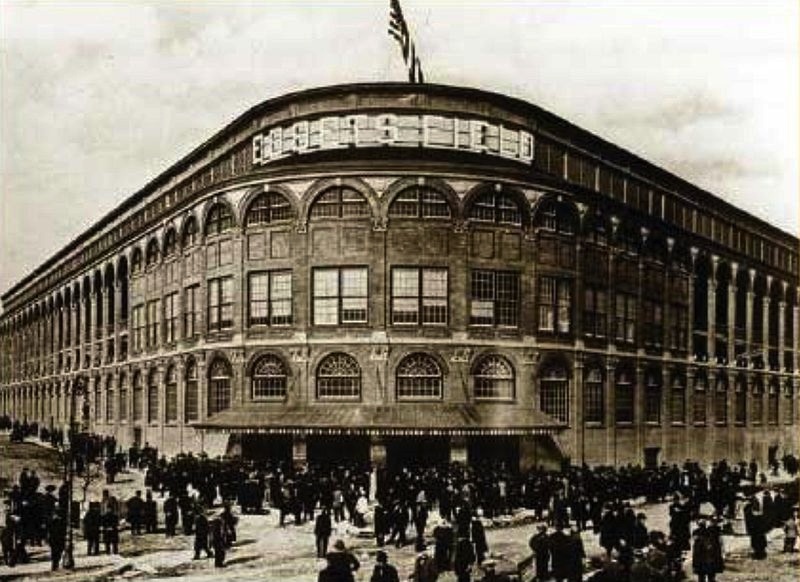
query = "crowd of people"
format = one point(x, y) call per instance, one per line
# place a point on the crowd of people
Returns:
point(440, 510)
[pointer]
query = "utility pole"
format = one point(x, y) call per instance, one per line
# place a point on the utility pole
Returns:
point(78, 389)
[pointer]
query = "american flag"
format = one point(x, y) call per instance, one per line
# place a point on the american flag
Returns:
point(398, 28)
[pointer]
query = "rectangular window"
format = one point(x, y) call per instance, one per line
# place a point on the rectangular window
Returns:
point(190, 315)
point(679, 316)
point(494, 298)
point(270, 298)
point(594, 312)
point(625, 318)
point(419, 296)
point(170, 318)
point(220, 303)
point(555, 305)
point(153, 319)
point(340, 295)
point(138, 328)
point(653, 322)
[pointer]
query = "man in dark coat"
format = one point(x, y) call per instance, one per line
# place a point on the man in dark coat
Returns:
point(135, 507)
point(150, 513)
point(383, 570)
point(540, 546)
point(443, 548)
point(380, 523)
point(218, 543)
point(322, 532)
point(463, 559)
point(91, 529)
point(706, 554)
point(110, 523)
point(420, 521)
point(170, 515)
point(201, 534)
point(341, 563)
point(58, 538)
point(479, 539)
point(560, 550)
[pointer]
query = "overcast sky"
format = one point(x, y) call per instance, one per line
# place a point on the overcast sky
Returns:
point(97, 98)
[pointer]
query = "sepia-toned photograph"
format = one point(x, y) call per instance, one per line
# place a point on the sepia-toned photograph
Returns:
point(399, 290)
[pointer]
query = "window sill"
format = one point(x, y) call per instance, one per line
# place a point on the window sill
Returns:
point(594, 425)
point(652, 423)
point(624, 424)
point(677, 423)
point(267, 399)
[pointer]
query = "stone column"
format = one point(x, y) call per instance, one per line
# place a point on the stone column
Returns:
point(202, 387)
point(610, 420)
point(796, 333)
point(711, 305)
point(576, 415)
point(782, 327)
point(690, 316)
point(638, 411)
point(765, 327)
point(749, 313)
point(732, 290)
point(180, 372)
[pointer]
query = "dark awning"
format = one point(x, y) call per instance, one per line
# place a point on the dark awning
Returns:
point(398, 419)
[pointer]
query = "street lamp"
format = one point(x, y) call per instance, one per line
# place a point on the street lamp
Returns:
point(79, 386)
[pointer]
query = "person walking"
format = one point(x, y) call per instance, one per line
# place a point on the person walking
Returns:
point(170, 515)
point(540, 546)
point(110, 522)
point(218, 541)
point(201, 534)
point(463, 559)
point(322, 532)
point(342, 564)
point(790, 534)
point(58, 538)
point(92, 523)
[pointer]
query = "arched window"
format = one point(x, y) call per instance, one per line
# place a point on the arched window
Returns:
point(554, 393)
point(555, 217)
point(652, 397)
point(138, 397)
point(219, 219)
point(152, 397)
point(721, 400)
point(419, 202)
point(170, 242)
point(594, 396)
point(268, 207)
point(493, 377)
point(339, 377)
point(190, 401)
point(699, 412)
point(136, 261)
point(497, 207)
point(152, 253)
point(340, 202)
point(758, 402)
point(109, 399)
point(625, 388)
point(269, 378)
point(171, 395)
point(740, 401)
point(219, 386)
point(123, 398)
point(419, 376)
point(773, 404)
point(788, 403)
point(189, 237)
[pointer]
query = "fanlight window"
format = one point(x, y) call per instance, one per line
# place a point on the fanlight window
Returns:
point(497, 207)
point(493, 377)
point(219, 219)
point(419, 376)
point(340, 202)
point(219, 386)
point(419, 202)
point(268, 207)
point(338, 377)
point(269, 378)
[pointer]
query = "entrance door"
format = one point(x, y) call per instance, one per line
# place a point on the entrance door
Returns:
point(137, 436)
point(651, 457)
point(259, 447)
point(493, 451)
point(417, 451)
point(334, 450)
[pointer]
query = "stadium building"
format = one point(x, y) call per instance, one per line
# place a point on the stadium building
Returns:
point(405, 272)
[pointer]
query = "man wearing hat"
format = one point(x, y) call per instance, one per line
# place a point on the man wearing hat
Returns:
point(540, 546)
point(424, 568)
point(341, 564)
point(383, 570)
